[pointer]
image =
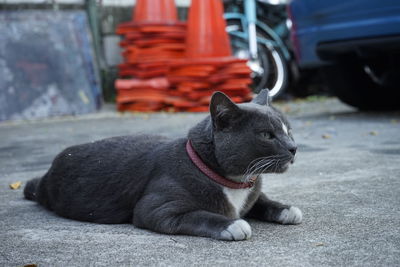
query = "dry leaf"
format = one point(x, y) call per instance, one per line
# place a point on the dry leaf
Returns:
point(30, 265)
point(374, 133)
point(15, 185)
point(326, 136)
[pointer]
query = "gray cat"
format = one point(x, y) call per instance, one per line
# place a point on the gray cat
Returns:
point(201, 185)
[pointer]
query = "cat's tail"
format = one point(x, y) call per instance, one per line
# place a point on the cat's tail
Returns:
point(30, 189)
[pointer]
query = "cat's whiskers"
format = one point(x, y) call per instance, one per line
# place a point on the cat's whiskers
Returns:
point(259, 165)
point(267, 166)
point(284, 159)
point(260, 169)
point(256, 165)
point(274, 163)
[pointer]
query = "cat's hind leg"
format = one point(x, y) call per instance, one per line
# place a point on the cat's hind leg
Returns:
point(174, 217)
point(271, 211)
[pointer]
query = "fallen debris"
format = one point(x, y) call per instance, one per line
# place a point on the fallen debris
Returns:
point(326, 136)
point(15, 185)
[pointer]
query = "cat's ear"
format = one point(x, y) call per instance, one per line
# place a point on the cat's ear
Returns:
point(223, 110)
point(263, 98)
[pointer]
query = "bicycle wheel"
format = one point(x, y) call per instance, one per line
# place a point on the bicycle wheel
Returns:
point(272, 69)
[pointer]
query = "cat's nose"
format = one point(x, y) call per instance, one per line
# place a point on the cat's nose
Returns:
point(293, 150)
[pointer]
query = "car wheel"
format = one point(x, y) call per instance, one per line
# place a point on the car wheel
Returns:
point(354, 84)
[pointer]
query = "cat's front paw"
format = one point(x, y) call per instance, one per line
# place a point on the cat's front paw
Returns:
point(238, 230)
point(293, 215)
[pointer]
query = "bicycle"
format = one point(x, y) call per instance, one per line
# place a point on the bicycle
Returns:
point(261, 42)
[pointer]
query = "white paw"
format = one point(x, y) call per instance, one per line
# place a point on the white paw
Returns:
point(239, 230)
point(292, 215)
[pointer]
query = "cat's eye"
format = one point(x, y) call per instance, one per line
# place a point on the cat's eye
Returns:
point(266, 135)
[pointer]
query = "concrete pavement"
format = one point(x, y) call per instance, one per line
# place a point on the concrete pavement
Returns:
point(346, 180)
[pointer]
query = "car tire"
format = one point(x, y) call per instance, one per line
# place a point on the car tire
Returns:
point(352, 85)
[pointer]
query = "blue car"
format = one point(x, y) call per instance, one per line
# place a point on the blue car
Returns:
point(356, 44)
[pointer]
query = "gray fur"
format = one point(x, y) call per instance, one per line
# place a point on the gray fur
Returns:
point(151, 182)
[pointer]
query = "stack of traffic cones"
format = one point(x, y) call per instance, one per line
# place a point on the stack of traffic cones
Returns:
point(196, 80)
point(209, 65)
point(151, 40)
point(168, 77)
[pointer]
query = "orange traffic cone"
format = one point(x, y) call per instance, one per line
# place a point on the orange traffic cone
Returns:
point(206, 34)
point(158, 16)
point(209, 64)
point(155, 12)
point(162, 70)
point(151, 39)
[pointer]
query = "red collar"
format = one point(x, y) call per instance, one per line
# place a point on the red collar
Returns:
point(212, 174)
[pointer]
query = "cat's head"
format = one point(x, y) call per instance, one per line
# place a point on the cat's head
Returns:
point(250, 138)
